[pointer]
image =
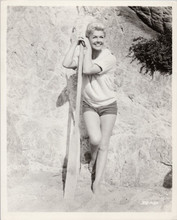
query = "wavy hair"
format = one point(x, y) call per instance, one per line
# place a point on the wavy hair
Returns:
point(94, 26)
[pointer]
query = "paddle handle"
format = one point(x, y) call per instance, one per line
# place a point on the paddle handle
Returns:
point(79, 84)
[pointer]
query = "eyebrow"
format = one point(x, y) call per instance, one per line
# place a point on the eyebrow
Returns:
point(102, 35)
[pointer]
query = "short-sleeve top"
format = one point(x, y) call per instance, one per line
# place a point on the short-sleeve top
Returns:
point(99, 89)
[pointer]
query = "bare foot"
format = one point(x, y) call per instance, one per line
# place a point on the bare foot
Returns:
point(96, 188)
point(99, 189)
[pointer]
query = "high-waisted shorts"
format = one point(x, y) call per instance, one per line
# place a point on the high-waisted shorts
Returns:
point(103, 110)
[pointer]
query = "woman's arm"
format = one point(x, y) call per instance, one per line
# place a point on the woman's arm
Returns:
point(68, 61)
point(88, 66)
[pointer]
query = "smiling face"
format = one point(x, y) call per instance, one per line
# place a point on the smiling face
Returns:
point(97, 40)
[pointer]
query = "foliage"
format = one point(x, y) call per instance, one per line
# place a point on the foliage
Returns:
point(154, 54)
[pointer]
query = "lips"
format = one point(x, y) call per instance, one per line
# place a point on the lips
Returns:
point(98, 44)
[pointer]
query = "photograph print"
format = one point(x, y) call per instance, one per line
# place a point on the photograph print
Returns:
point(88, 93)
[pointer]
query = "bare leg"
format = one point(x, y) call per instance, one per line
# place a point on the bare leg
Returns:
point(107, 124)
point(94, 151)
point(92, 122)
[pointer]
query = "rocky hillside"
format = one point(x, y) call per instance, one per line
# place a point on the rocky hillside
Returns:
point(158, 18)
point(39, 90)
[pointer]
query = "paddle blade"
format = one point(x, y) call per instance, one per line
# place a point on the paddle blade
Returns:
point(73, 165)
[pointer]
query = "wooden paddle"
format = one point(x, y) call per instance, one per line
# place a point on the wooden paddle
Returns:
point(73, 164)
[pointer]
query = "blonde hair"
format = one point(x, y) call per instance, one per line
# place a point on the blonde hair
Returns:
point(94, 26)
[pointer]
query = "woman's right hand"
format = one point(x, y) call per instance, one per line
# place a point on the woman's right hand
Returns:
point(75, 39)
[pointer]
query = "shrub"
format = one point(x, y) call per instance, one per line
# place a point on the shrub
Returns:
point(154, 54)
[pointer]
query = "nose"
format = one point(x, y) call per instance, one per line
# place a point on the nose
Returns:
point(99, 40)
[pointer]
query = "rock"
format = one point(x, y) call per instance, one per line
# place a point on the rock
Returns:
point(158, 18)
point(18, 162)
point(168, 180)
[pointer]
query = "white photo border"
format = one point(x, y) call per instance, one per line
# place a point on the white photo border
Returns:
point(5, 215)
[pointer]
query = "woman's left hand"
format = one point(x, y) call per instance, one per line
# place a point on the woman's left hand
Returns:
point(85, 42)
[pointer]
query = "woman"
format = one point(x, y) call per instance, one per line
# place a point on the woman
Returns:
point(99, 102)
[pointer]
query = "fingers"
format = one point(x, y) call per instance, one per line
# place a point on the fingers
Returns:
point(85, 41)
point(82, 41)
point(79, 39)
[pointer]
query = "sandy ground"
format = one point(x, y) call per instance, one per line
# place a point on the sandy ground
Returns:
point(43, 192)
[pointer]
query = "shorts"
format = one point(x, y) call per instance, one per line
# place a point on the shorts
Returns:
point(103, 110)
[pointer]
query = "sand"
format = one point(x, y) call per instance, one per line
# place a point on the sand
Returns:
point(42, 191)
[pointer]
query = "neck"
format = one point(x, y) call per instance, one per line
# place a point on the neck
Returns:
point(95, 53)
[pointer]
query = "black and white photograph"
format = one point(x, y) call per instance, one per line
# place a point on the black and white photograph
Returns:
point(87, 109)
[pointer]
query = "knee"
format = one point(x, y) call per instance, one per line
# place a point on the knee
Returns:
point(103, 148)
point(95, 139)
